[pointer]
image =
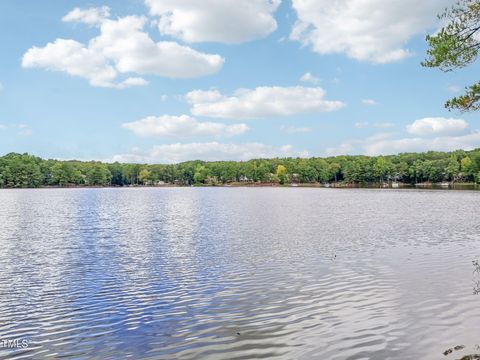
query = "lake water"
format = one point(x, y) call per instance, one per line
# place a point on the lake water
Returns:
point(238, 273)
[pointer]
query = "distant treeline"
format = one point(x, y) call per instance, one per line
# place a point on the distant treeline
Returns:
point(24, 170)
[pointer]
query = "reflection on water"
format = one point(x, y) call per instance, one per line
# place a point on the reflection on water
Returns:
point(238, 273)
point(476, 280)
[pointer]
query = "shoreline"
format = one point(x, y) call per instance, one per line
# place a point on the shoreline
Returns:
point(394, 186)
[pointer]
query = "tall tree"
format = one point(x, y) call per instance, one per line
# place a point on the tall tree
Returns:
point(455, 46)
point(281, 173)
point(145, 176)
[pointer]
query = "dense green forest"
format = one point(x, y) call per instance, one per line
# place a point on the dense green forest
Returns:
point(24, 170)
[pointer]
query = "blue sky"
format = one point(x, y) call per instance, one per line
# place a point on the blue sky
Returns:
point(173, 80)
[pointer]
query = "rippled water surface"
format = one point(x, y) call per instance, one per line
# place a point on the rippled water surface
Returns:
point(239, 273)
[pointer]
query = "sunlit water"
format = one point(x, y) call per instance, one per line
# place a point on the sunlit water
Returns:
point(239, 273)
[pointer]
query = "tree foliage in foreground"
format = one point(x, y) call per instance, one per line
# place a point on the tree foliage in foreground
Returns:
point(24, 170)
point(455, 46)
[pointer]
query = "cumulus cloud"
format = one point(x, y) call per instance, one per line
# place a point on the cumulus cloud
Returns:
point(437, 126)
point(75, 59)
point(132, 50)
point(1, 87)
point(203, 96)
point(90, 16)
point(261, 102)
point(356, 147)
point(132, 81)
point(122, 48)
point(209, 151)
point(365, 30)
point(442, 143)
point(294, 129)
point(437, 134)
point(182, 126)
point(225, 21)
point(310, 78)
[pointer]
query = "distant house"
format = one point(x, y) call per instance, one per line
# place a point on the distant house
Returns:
point(295, 178)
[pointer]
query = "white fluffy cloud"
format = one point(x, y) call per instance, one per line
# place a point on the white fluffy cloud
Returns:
point(367, 30)
point(132, 81)
point(132, 50)
point(226, 21)
point(122, 48)
point(442, 143)
point(209, 151)
point(73, 58)
point(91, 16)
point(437, 126)
point(310, 78)
point(437, 134)
point(182, 126)
point(261, 102)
